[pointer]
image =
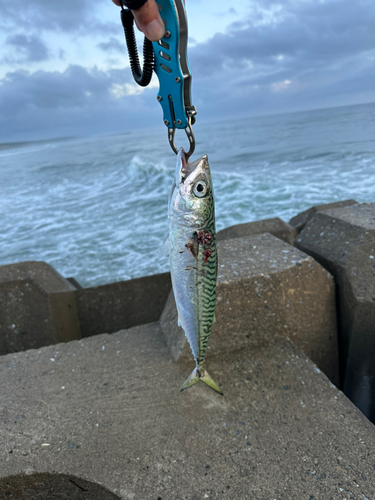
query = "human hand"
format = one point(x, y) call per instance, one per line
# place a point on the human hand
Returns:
point(148, 20)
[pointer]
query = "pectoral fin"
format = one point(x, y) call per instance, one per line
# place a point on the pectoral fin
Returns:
point(165, 249)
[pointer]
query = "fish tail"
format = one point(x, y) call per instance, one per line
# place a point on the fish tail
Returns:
point(203, 375)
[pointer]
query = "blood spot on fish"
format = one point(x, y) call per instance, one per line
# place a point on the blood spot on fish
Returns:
point(207, 254)
point(204, 237)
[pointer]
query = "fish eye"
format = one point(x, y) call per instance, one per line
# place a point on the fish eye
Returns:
point(200, 189)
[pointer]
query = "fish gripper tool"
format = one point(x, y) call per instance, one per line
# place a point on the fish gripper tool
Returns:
point(168, 58)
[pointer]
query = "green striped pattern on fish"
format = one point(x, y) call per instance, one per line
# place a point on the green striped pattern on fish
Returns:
point(193, 255)
point(206, 289)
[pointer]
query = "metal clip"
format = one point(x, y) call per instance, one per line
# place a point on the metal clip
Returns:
point(190, 135)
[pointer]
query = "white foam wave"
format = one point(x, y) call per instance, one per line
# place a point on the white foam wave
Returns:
point(22, 150)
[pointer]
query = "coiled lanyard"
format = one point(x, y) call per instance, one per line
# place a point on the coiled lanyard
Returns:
point(168, 58)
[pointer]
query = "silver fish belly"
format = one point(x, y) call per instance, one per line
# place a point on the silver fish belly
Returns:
point(193, 257)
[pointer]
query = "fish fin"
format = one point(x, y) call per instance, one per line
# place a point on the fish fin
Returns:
point(214, 319)
point(204, 376)
point(171, 192)
point(164, 250)
point(179, 322)
point(191, 380)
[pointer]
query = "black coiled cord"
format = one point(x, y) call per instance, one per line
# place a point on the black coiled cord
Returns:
point(142, 77)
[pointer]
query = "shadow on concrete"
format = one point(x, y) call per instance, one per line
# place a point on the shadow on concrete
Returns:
point(46, 486)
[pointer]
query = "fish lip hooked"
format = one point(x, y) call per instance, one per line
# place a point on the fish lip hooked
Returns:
point(187, 168)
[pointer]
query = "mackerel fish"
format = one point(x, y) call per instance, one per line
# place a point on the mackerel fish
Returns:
point(193, 257)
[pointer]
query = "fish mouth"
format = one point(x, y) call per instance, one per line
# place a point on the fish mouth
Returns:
point(185, 168)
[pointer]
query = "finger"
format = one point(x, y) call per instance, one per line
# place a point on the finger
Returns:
point(149, 21)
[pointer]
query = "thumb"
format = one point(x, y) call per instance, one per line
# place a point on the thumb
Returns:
point(148, 20)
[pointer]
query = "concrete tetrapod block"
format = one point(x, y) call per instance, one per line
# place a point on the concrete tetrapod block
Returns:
point(110, 308)
point(300, 220)
point(277, 227)
point(107, 411)
point(343, 240)
point(37, 307)
point(266, 288)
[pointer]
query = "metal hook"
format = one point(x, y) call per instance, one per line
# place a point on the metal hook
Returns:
point(190, 135)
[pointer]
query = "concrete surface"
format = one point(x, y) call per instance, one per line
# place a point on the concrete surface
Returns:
point(37, 307)
point(277, 227)
point(113, 307)
point(267, 288)
point(74, 282)
point(300, 220)
point(108, 410)
point(343, 240)
point(52, 486)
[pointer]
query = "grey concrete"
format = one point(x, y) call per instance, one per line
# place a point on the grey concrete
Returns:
point(74, 282)
point(52, 486)
point(343, 240)
point(108, 410)
point(112, 307)
point(300, 220)
point(277, 227)
point(37, 307)
point(267, 288)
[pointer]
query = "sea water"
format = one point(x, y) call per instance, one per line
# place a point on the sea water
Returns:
point(95, 208)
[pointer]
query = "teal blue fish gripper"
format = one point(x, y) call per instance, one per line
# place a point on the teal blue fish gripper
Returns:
point(168, 58)
point(172, 69)
point(168, 68)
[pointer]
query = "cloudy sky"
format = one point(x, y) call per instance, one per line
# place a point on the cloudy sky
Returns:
point(64, 68)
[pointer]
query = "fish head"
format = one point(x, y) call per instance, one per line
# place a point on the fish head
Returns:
point(192, 199)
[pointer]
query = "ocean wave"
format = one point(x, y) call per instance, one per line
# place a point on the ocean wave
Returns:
point(96, 208)
point(22, 150)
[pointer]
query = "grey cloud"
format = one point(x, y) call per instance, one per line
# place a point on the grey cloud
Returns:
point(69, 16)
point(223, 14)
point(306, 33)
point(76, 87)
point(26, 48)
point(308, 55)
point(113, 45)
point(75, 101)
